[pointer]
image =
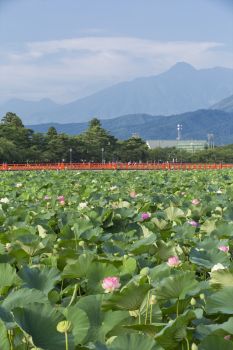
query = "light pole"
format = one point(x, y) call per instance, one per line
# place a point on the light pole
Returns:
point(71, 155)
point(102, 150)
point(179, 129)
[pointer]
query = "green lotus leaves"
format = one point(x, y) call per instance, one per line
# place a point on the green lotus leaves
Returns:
point(170, 284)
point(173, 213)
point(176, 331)
point(225, 328)
point(177, 286)
point(208, 259)
point(8, 275)
point(80, 323)
point(142, 245)
point(43, 279)
point(221, 302)
point(165, 250)
point(96, 273)
point(214, 342)
point(23, 297)
point(134, 341)
point(40, 322)
point(78, 269)
point(91, 305)
point(129, 266)
point(222, 278)
point(130, 298)
point(5, 344)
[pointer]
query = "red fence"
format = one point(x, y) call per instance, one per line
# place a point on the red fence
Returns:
point(115, 166)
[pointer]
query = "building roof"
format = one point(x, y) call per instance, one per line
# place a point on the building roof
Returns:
point(161, 143)
point(174, 143)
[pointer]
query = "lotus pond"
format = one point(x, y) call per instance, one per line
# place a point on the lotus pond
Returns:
point(116, 260)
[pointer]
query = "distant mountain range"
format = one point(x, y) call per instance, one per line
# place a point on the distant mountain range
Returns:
point(180, 89)
point(225, 105)
point(196, 125)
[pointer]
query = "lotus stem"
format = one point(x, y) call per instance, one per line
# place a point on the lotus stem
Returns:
point(74, 294)
point(76, 242)
point(151, 310)
point(147, 306)
point(187, 342)
point(61, 286)
point(10, 337)
point(177, 308)
point(66, 338)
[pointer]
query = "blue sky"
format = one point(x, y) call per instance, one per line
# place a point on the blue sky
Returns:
point(66, 49)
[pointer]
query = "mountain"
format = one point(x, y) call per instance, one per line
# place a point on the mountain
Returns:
point(29, 110)
point(196, 125)
point(225, 105)
point(180, 89)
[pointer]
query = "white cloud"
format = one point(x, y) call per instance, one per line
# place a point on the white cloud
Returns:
point(71, 68)
point(133, 46)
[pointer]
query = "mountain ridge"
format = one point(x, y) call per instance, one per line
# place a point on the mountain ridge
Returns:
point(180, 89)
point(224, 105)
point(196, 125)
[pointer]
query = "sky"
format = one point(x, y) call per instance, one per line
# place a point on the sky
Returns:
point(68, 49)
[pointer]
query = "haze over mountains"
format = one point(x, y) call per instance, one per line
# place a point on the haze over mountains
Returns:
point(196, 125)
point(224, 105)
point(180, 89)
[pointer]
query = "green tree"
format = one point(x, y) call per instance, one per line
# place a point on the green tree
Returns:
point(97, 143)
point(52, 132)
point(8, 151)
point(13, 120)
point(134, 149)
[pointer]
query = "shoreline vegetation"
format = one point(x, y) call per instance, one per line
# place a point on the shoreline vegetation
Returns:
point(19, 144)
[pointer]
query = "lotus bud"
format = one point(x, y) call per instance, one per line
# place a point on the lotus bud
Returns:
point(194, 346)
point(202, 296)
point(8, 246)
point(81, 243)
point(64, 326)
point(134, 313)
point(153, 300)
point(145, 271)
point(193, 302)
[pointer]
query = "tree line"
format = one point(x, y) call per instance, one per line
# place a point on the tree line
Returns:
point(19, 144)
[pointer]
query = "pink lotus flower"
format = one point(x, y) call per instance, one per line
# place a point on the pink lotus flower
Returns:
point(133, 194)
point(195, 201)
point(227, 337)
point(110, 284)
point(145, 216)
point(224, 248)
point(61, 198)
point(193, 223)
point(173, 261)
point(47, 198)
